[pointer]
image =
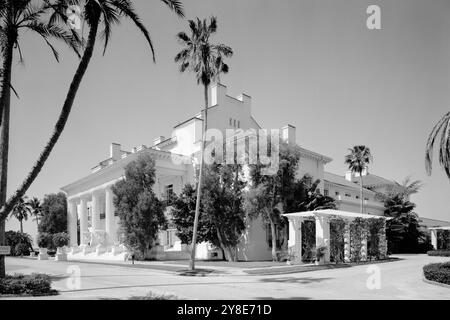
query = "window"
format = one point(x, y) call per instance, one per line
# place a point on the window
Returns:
point(348, 195)
point(234, 123)
point(168, 193)
point(239, 124)
point(231, 121)
point(367, 199)
point(357, 197)
point(326, 192)
point(102, 216)
point(337, 193)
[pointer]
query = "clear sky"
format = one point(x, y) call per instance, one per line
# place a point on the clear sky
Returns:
point(313, 64)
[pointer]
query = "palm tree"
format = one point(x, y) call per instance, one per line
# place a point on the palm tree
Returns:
point(16, 18)
point(35, 209)
point(21, 211)
point(357, 161)
point(95, 14)
point(205, 59)
point(441, 128)
point(404, 189)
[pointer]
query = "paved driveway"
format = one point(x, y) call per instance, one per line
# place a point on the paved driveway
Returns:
point(397, 280)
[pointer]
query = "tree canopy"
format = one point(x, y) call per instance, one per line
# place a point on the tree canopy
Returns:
point(54, 214)
point(141, 212)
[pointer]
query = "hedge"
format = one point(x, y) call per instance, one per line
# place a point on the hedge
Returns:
point(441, 253)
point(35, 284)
point(438, 272)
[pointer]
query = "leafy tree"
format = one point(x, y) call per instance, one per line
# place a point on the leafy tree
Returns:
point(270, 195)
point(141, 212)
point(309, 198)
point(223, 206)
point(222, 218)
point(183, 214)
point(357, 160)
point(403, 231)
point(21, 211)
point(35, 209)
point(404, 189)
point(54, 214)
point(96, 13)
point(19, 242)
point(16, 18)
point(205, 59)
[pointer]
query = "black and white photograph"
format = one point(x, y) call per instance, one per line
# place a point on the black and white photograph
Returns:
point(240, 152)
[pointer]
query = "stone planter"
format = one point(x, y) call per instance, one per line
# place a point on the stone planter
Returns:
point(42, 254)
point(61, 254)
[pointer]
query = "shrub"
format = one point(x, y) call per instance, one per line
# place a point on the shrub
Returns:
point(60, 239)
point(438, 272)
point(440, 253)
point(20, 243)
point(319, 252)
point(45, 240)
point(19, 284)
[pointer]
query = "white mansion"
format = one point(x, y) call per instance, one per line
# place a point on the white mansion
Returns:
point(90, 199)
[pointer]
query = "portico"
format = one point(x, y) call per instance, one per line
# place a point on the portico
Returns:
point(322, 220)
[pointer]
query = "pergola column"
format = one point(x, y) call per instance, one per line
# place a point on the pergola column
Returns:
point(83, 221)
point(434, 238)
point(295, 238)
point(72, 222)
point(109, 216)
point(347, 247)
point(323, 235)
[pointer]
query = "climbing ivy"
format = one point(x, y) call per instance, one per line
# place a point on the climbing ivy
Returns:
point(308, 239)
point(358, 231)
point(375, 228)
point(337, 231)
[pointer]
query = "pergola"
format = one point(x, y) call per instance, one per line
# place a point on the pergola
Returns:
point(322, 219)
point(434, 231)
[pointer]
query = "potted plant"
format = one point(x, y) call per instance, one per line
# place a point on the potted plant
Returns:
point(44, 241)
point(60, 240)
point(319, 253)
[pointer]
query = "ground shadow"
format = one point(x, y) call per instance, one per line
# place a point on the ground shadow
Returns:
point(304, 280)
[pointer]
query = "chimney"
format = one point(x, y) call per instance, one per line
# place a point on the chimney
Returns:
point(288, 134)
point(348, 175)
point(158, 140)
point(114, 151)
point(218, 93)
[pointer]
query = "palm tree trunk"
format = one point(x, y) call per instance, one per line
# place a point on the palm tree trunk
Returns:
point(5, 101)
point(361, 192)
point(60, 124)
point(199, 185)
point(21, 226)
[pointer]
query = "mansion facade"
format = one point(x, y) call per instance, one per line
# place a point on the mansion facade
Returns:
point(90, 198)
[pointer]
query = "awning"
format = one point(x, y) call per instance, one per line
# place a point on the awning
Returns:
point(332, 212)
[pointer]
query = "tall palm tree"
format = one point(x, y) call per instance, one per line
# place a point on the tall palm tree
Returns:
point(205, 59)
point(357, 160)
point(96, 13)
point(441, 128)
point(402, 190)
point(35, 209)
point(21, 211)
point(16, 18)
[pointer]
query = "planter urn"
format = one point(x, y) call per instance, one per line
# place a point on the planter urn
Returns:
point(42, 254)
point(61, 254)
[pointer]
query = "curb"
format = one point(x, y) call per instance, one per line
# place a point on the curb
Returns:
point(434, 283)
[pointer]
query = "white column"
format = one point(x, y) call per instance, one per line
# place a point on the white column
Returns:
point(95, 214)
point(72, 222)
point(109, 217)
point(434, 242)
point(83, 221)
point(323, 235)
point(347, 247)
point(295, 239)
